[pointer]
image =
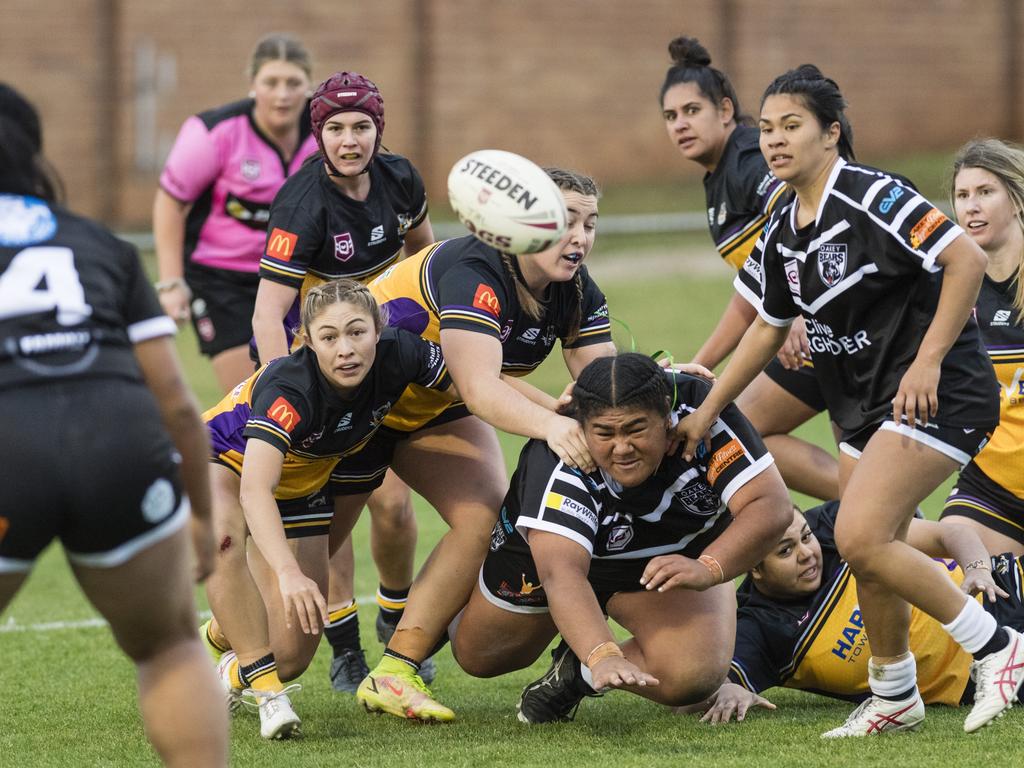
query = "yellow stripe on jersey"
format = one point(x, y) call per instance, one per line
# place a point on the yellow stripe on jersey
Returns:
point(984, 510)
point(736, 249)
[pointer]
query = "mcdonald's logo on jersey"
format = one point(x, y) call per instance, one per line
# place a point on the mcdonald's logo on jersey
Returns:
point(486, 300)
point(281, 244)
point(284, 413)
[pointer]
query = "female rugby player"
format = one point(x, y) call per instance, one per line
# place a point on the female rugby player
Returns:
point(886, 284)
point(497, 317)
point(211, 210)
point(351, 212)
point(703, 118)
point(276, 438)
point(799, 624)
point(87, 353)
point(653, 541)
point(988, 197)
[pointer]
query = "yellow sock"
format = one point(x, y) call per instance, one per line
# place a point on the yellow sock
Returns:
point(260, 675)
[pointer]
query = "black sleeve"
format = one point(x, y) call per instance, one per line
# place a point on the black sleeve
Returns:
point(295, 233)
point(280, 415)
point(422, 360)
point(777, 305)
point(144, 318)
point(752, 664)
point(921, 229)
point(473, 297)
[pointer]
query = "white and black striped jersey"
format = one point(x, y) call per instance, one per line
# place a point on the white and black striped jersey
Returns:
point(740, 194)
point(681, 502)
point(73, 298)
point(864, 275)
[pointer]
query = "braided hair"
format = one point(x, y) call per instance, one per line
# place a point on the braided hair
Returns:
point(821, 95)
point(627, 380)
point(567, 181)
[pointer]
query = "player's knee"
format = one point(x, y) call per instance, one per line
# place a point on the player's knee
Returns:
point(143, 641)
point(478, 663)
point(690, 686)
point(393, 516)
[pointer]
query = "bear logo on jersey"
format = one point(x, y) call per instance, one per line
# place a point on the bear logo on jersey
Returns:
point(831, 263)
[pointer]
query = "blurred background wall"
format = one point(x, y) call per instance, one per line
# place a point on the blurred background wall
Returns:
point(572, 82)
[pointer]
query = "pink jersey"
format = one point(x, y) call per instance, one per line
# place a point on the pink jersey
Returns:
point(224, 166)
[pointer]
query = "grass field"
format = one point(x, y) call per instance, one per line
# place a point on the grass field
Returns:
point(67, 697)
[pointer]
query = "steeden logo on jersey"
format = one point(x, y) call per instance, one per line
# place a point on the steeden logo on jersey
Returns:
point(344, 247)
point(376, 235)
point(831, 263)
point(1001, 317)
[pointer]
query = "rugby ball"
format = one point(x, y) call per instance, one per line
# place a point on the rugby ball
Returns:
point(507, 201)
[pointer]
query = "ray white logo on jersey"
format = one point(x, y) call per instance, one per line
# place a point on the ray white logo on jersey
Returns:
point(500, 181)
point(821, 339)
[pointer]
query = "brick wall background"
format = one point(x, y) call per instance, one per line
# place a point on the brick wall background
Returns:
point(572, 82)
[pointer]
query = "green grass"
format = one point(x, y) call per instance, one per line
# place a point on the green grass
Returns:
point(68, 696)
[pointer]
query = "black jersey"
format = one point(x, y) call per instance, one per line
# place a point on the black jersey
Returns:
point(317, 233)
point(679, 504)
point(1002, 332)
point(864, 276)
point(73, 298)
point(289, 404)
point(740, 194)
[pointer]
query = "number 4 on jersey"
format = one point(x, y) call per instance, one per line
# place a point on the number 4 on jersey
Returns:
point(43, 279)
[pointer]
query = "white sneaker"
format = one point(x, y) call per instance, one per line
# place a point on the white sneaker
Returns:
point(277, 718)
point(997, 678)
point(232, 695)
point(876, 715)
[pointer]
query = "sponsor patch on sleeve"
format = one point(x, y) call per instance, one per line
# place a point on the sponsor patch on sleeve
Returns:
point(486, 300)
point(723, 457)
point(285, 414)
point(281, 244)
point(924, 228)
point(571, 507)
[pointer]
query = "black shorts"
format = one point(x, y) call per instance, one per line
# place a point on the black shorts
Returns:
point(508, 577)
point(223, 301)
point(801, 383)
point(87, 462)
point(978, 497)
point(363, 472)
point(305, 516)
point(958, 443)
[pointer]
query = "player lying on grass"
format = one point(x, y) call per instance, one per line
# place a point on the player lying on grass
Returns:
point(799, 624)
point(645, 538)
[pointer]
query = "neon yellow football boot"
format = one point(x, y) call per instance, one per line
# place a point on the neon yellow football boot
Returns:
point(393, 687)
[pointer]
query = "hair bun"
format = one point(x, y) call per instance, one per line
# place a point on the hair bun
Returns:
point(810, 72)
point(688, 52)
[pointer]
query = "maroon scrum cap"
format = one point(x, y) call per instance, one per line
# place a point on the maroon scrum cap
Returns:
point(346, 92)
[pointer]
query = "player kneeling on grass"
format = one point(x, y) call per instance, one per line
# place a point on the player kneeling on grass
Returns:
point(799, 623)
point(646, 538)
point(276, 439)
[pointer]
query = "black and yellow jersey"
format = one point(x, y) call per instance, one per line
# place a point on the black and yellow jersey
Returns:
point(740, 194)
point(289, 404)
point(819, 643)
point(463, 283)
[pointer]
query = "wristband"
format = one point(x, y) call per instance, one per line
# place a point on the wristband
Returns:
point(977, 565)
point(602, 651)
point(163, 286)
point(714, 566)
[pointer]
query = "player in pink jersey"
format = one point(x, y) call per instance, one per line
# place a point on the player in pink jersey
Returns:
point(211, 209)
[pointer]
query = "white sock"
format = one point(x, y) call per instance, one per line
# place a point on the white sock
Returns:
point(972, 627)
point(894, 678)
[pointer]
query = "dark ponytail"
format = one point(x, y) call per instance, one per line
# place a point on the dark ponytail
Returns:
point(821, 95)
point(23, 169)
point(692, 64)
point(627, 380)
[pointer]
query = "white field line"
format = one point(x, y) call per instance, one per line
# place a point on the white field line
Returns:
point(12, 625)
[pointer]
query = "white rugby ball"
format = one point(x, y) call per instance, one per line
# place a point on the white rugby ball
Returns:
point(507, 201)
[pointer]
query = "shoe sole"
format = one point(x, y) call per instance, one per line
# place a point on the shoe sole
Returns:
point(898, 729)
point(287, 731)
point(989, 721)
point(405, 714)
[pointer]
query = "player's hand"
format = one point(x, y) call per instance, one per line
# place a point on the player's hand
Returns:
point(666, 572)
point(796, 348)
point(918, 393)
point(617, 672)
point(693, 368)
point(565, 437)
point(979, 581)
point(302, 601)
point(692, 431)
point(565, 399)
point(175, 302)
point(203, 547)
point(732, 700)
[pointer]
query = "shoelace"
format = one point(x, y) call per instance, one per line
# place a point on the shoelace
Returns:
point(253, 698)
point(981, 674)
